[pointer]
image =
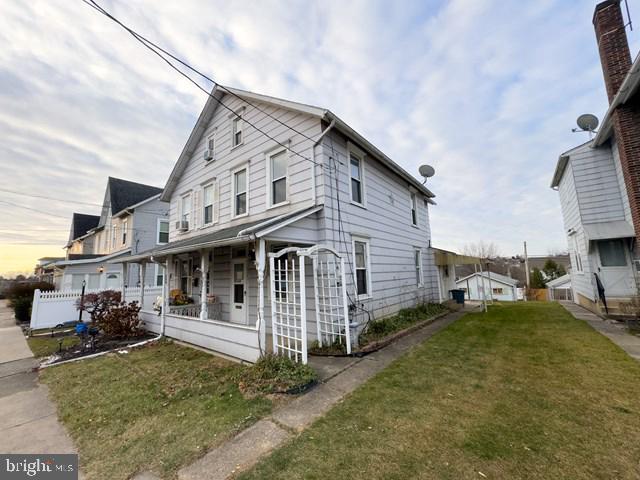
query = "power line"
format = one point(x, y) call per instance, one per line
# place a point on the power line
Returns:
point(33, 209)
point(153, 48)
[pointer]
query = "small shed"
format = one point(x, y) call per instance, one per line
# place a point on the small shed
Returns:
point(496, 287)
point(560, 288)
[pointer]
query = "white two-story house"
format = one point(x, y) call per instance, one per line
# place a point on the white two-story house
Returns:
point(261, 180)
point(132, 219)
point(599, 181)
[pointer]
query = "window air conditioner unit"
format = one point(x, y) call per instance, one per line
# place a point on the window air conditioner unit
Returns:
point(182, 225)
point(208, 155)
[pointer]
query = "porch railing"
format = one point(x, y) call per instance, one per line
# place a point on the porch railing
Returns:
point(214, 311)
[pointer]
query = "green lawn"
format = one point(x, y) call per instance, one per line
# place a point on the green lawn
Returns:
point(523, 392)
point(43, 346)
point(156, 408)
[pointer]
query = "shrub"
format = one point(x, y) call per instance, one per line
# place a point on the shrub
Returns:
point(20, 297)
point(403, 319)
point(121, 321)
point(98, 304)
point(276, 374)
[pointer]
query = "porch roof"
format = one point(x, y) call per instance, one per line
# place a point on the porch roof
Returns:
point(227, 236)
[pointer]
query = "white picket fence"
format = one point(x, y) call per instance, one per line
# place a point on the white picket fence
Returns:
point(59, 306)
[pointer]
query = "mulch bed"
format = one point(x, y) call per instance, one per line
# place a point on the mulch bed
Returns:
point(101, 345)
point(375, 345)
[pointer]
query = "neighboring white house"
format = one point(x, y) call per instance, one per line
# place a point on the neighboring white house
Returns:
point(132, 219)
point(446, 262)
point(254, 201)
point(598, 181)
point(496, 287)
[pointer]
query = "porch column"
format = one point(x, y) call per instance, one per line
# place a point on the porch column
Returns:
point(204, 270)
point(260, 268)
point(169, 277)
point(123, 281)
point(143, 271)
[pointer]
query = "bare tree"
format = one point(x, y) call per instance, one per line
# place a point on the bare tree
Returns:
point(482, 249)
point(557, 252)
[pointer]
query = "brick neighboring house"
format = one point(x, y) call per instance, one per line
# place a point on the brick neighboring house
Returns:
point(599, 181)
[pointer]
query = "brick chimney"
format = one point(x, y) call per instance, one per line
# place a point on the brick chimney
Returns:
point(616, 62)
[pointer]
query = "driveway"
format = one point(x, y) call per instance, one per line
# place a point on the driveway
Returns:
point(28, 421)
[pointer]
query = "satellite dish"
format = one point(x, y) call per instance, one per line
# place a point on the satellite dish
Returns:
point(588, 122)
point(426, 171)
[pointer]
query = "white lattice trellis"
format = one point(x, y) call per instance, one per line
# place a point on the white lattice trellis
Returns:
point(288, 304)
point(332, 315)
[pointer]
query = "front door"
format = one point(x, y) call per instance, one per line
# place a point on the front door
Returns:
point(239, 291)
point(113, 281)
point(614, 268)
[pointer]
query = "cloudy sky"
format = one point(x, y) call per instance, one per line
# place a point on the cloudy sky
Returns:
point(486, 91)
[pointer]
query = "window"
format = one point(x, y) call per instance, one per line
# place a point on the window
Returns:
point(163, 231)
point(159, 275)
point(612, 253)
point(114, 235)
point(211, 146)
point(240, 192)
point(417, 259)
point(94, 281)
point(236, 130)
point(498, 291)
point(185, 276)
point(185, 209)
point(278, 169)
point(361, 263)
point(356, 179)
point(414, 209)
point(577, 256)
point(207, 205)
point(124, 232)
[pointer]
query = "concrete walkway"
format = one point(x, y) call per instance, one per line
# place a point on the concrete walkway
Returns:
point(28, 421)
point(343, 376)
point(611, 329)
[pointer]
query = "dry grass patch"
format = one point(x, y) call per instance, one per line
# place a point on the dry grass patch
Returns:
point(523, 392)
point(155, 409)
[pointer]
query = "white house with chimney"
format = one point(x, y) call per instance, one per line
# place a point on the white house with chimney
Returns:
point(599, 181)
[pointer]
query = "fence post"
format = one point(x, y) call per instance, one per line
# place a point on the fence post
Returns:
point(34, 306)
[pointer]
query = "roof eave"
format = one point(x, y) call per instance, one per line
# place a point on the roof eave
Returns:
point(341, 125)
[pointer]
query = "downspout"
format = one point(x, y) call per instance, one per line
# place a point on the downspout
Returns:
point(313, 159)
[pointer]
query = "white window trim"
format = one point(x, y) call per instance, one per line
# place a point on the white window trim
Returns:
point(360, 155)
point(413, 204)
point(366, 241)
point(577, 257)
point(181, 216)
point(420, 267)
point(160, 220)
point(268, 156)
point(233, 191)
point(213, 186)
point(159, 270)
point(232, 117)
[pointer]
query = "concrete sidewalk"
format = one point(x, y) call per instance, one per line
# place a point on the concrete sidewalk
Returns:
point(28, 421)
point(611, 329)
point(343, 375)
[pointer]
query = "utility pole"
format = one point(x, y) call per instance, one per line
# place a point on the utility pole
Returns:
point(526, 267)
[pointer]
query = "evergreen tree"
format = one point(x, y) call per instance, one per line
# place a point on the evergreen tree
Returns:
point(537, 279)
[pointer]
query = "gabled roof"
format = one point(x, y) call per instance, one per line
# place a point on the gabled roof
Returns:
point(321, 113)
point(81, 223)
point(563, 160)
point(124, 194)
point(564, 279)
point(494, 277)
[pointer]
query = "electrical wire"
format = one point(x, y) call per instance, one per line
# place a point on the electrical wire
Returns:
point(157, 51)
